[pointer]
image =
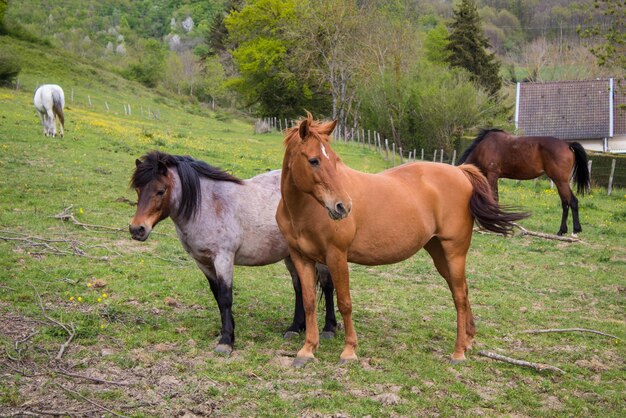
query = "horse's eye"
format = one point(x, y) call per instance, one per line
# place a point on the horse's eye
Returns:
point(160, 193)
point(314, 161)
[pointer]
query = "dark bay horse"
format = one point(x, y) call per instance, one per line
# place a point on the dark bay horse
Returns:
point(221, 221)
point(499, 154)
point(332, 214)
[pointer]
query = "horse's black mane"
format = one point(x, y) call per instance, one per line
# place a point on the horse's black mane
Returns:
point(155, 164)
point(481, 135)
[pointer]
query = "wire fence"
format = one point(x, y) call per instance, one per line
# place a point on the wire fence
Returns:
point(608, 171)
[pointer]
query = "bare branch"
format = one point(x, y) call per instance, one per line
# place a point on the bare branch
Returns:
point(90, 401)
point(537, 366)
point(66, 215)
point(93, 379)
point(546, 236)
point(544, 331)
point(70, 329)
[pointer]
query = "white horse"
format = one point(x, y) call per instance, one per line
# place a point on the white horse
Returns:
point(49, 101)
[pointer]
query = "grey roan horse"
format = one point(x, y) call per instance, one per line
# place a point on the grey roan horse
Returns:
point(221, 221)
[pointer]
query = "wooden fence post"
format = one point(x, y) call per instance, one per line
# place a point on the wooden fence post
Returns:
point(422, 154)
point(453, 157)
point(393, 149)
point(386, 150)
point(610, 189)
point(441, 157)
point(435, 156)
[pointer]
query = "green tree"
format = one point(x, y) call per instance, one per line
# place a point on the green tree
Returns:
point(3, 8)
point(468, 48)
point(150, 65)
point(436, 44)
point(267, 79)
point(609, 24)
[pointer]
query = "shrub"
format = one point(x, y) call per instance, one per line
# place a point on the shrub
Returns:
point(10, 68)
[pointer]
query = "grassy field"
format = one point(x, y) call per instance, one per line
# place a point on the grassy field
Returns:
point(145, 349)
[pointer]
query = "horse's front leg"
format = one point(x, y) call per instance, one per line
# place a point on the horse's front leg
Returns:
point(306, 271)
point(337, 262)
point(221, 283)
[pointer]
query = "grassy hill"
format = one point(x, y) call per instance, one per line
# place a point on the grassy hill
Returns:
point(137, 353)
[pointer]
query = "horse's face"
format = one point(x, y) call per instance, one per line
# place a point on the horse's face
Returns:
point(153, 205)
point(313, 167)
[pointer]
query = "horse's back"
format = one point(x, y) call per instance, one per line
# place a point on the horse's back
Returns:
point(44, 96)
point(399, 210)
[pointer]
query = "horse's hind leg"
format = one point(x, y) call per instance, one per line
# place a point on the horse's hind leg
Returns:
point(298, 323)
point(567, 199)
point(575, 218)
point(52, 125)
point(326, 283)
point(450, 263)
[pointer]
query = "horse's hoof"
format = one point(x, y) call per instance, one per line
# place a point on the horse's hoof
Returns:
point(457, 360)
point(224, 349)
point(343, 361)
point(300, 362)
point(290, 334)
point(327, 335)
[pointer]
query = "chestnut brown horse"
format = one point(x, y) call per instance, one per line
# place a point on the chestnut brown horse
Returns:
point(332, 214)
point(499, 154)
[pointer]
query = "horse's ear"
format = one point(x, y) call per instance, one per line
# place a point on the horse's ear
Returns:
point(162, 168)
point(303, 131)
point(137, 162)
point(328, 128)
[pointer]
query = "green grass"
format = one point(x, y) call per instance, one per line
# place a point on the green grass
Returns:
point(403, 313)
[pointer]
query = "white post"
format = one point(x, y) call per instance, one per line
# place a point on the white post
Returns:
point(610, 189)
point(517, 94)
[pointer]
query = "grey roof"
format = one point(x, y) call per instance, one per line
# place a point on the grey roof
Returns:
point(570, 109)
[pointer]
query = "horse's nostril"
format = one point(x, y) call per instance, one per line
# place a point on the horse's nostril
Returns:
point(136, 229)
point(340, 208)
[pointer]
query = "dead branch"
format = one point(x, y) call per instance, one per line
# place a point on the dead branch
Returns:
point(67, 215)
point(70, 329)
point(537, 366)
point(93, 379)
point(544, 331)
point(54, 250)
point(546, 236)
point(38, 413)
point(94, 403)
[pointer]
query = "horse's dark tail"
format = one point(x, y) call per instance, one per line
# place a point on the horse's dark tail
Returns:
point(57, 107)
point(484, 207)
point(580, 174)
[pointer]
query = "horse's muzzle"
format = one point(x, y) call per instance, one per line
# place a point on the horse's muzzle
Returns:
point(339, 211)
point(138, 232)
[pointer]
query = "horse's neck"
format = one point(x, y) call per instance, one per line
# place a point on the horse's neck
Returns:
point(207, 207)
